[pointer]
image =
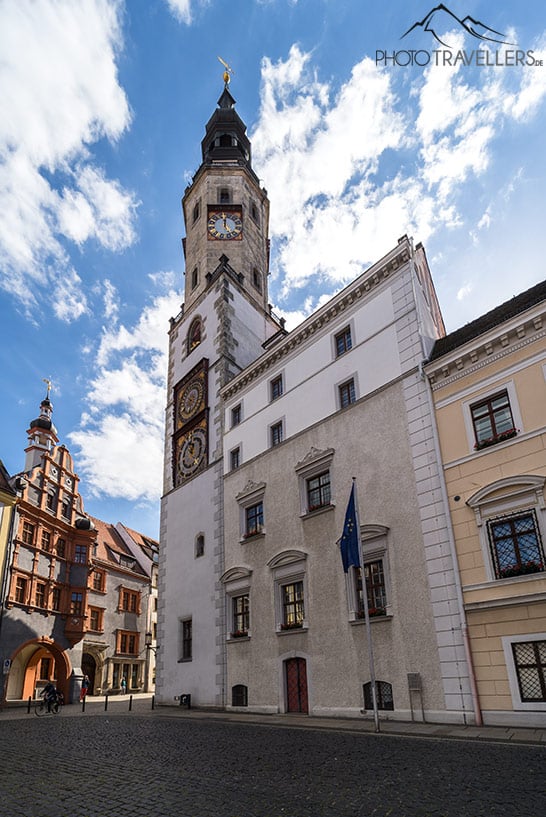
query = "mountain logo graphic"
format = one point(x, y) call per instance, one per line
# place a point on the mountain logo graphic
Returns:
point(441, 19)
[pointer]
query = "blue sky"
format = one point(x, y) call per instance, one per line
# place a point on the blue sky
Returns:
point(102, 113)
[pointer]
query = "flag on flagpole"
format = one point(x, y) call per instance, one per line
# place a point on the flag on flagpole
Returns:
point(349, 542)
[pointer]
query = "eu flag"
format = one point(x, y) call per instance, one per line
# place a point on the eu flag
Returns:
point(349, 539)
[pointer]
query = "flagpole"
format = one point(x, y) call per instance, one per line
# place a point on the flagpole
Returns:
point(366, 612)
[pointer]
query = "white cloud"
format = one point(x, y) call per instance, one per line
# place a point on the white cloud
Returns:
point(464, 291)
point(181, 9)
point(60, 94)
point(121, 434)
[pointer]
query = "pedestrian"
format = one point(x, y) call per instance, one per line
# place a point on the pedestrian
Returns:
point(85, 687)
point(123, 685)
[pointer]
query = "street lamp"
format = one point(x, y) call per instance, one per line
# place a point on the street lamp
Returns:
point(148, 639)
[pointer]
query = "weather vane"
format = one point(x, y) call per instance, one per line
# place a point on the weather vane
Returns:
point(227, 72)
point(47, 381)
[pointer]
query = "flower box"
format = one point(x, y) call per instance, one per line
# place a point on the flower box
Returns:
point(373, 612)
point(295, 625)
point(521, 570)
point(239, 634)
point(498, 438)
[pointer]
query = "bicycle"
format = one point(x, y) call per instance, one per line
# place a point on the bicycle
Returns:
point(42, 709)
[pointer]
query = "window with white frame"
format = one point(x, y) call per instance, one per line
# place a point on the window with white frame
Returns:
point(491, 418)
point(235, 458)
point(290, 590)
point(251, 510)
point(236, 414)
point(276, 433)
point(347, 393)
point(525, 657)
point(240, 615)
point(376, 572)
point(315, 481)
point(236, 581)
point(276, 388)
point(343, 341)
point(510, 516)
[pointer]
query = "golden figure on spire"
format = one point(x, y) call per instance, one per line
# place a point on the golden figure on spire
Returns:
point(47, 381)
point(228, 71)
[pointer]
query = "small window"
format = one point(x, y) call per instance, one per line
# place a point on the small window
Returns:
point(20, 590)
point(28, 533)
point(347, 393)
point(240, 615)
point(65, 508)
point(61, 548)
point(343, 341)
point(50, 501)
point(194, 278)
point(46, 540)
point(276, 433)
point(254, 519)
point(256, 280)
point(196, 211)
point(56, 599)
point(254, 212)
point(236, 415)
point(99, 580)
point(235, 458)
point(127, 643)
point(194, 335)
point(293, 612)
point(95, 619)
point(225, 194)
point(187, 646)
point(199, 545)
point(276, 387)
point(129, 601)
point(318, 491)
point(239, 695)
point(383, 694)
point(375, 589)
point(76, 604)
point(516, 547)
point(40, 594)
point(492, 420)
point(80, 554)
point(530, 663)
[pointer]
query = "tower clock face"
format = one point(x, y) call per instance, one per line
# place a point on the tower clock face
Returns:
point(191, 400)
point(225, 224)
point(192, 451)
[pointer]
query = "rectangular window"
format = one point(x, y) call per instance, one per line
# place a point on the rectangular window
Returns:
point(134, 676)
point(65, 510)
point(61, 548)
point(318, 491)
point(40, 595)
point(492, 420)
point(99, 580)
point(129, 601)
point(76, 604)
point(236, 415)
point(21, 590)
point(276, 387)
point(50, 501)
point(292, 606)
point(254, 519)
point(127, 643)
point(343, 341)
point(276, 434)
point(530, 662)
point(95, 619)
point(80, 554)
point(46, 540)
point(56, 599)
point(375, 588)
point(28, 533)
point(241, 615)
point(347, 393)
point(515, 545)
point(186, 639)
point(44, 671)
point(235, 458)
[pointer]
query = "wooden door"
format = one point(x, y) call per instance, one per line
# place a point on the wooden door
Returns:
point(296, 685)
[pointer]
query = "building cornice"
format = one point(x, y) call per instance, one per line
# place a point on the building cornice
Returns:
point(494, 345)
point(362, 286)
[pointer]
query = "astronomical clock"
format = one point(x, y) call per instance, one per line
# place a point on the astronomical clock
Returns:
point(190, 439)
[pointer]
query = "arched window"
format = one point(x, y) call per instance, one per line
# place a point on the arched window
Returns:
point(239, 695)
point(383, 691)
point(194, 335)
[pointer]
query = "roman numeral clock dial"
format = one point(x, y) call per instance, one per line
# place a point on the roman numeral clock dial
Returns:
point(225, 225)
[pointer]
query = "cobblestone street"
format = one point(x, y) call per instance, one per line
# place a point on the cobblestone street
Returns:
point(156, 765)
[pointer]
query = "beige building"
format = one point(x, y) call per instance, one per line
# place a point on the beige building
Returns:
point(488, 383)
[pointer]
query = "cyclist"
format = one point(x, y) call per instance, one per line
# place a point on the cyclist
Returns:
point(49, 694)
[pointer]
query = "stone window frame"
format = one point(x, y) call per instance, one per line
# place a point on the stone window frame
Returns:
point(252, 494)
point(237, 582)
point(276, 433)
point(346, 332)
point(513, 682)
point(347, 382)
point(467, 405)
point(289, 567)
point(375, 547)
point(504, 497)
point(315, 462)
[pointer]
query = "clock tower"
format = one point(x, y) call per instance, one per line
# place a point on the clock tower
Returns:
point(221, 329)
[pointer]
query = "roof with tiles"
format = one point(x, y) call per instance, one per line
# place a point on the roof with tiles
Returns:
point(111, 547)
point(509, 309)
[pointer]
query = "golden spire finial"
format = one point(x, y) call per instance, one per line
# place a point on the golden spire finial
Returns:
point(47, 381)
point(227, 72)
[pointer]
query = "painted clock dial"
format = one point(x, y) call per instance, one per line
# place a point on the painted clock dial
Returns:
point(225, 225)
point(192, 451)
point(191, 400)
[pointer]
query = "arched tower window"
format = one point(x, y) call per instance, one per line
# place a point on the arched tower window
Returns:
point(224, 195)
point(194, 335)
point(225, 140)
point(199, 545)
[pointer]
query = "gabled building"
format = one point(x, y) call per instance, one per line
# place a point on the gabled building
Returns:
point(265, 431)
point(75, 597)
point(488, 382)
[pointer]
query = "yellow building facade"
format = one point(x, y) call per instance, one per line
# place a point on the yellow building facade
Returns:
point(488, 386)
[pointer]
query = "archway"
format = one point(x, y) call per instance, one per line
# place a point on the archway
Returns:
point(89, 668)
point(32, 666)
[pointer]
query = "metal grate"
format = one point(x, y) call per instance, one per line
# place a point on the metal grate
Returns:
point(516, 548)
point(530, 661)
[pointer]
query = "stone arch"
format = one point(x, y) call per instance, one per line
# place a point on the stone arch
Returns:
point(23, 681)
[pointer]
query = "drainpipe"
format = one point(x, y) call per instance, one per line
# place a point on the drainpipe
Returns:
point(453, 552)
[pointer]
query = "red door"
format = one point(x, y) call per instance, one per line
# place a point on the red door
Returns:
point(296, 685)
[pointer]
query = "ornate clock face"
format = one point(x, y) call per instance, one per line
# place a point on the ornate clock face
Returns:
point(225, 224)
point(191, 400)
point(191, 453)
